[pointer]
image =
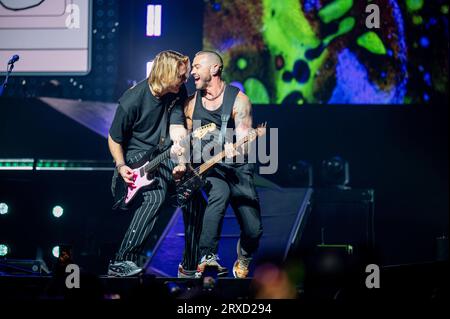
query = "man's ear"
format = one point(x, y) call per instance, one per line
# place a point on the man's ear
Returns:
point(215, 69)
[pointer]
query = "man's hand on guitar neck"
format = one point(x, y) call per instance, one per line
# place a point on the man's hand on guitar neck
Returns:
point(230, 151)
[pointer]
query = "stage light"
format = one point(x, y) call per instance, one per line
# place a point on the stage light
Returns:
point(173, 288)
point(70, 165)
point(242, 63)
point(300, 174)
point(4, 208)
point(154, 13)
point(4, 250)
point(57, 211)
point(55, 251)
point(23, 164)
point(335, 172)
point(216, 6)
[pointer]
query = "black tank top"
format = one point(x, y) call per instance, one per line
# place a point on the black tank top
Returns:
point(206, 116)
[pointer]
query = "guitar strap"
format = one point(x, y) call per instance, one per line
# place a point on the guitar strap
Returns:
point(229, 96)
point(189, 113)
point(165, 121)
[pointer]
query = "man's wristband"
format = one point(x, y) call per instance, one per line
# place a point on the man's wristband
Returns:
point(118, 166)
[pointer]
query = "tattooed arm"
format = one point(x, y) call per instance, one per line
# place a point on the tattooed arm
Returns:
point(242, 114)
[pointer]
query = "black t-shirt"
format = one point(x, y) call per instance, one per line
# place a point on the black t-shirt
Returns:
point(137, 124)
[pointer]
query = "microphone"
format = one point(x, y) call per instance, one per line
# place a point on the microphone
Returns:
point(9, 69)
point(14, 59)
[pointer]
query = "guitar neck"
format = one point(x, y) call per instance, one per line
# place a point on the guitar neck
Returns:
point(164, 155)
point(202, 168)
point(157, 160)
point(214, 160)
point(217, 158)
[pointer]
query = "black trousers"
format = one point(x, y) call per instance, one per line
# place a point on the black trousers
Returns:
point(145, 209)
point(193, 214)
point(227, 184)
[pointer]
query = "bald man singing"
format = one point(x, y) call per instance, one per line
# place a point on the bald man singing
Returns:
point(226, 183)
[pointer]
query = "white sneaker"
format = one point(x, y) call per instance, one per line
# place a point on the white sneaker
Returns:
point(123, 269)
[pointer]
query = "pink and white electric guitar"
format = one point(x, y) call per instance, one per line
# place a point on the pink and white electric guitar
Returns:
point(144, 171)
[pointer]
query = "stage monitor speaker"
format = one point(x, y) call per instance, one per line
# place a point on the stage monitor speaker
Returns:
point(341, 217)
point(23, 267)
point(283, 211)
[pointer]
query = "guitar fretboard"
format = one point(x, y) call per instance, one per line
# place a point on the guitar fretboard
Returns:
point(217, 158)
point(158, 159)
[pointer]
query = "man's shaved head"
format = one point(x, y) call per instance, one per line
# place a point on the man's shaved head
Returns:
point(212, 57)
point(206, 69)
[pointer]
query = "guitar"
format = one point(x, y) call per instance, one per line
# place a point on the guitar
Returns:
point(144, 170)
point(193, 180)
